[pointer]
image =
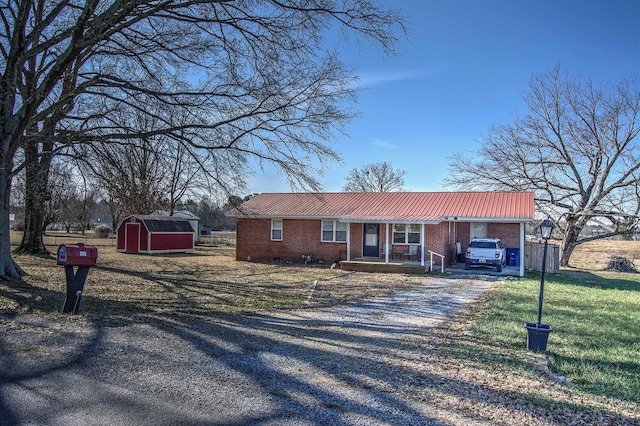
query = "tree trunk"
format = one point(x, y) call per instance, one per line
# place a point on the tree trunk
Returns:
point(114, 212)
point(566, 250)
point(569, 241)
point(32, 238)
point(37, 174)
point(8, 268)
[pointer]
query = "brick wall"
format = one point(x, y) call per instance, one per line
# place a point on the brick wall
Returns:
point(438, 239)
point(463, 234)
point(509, 233)
point(356, 230)
point(298, 237)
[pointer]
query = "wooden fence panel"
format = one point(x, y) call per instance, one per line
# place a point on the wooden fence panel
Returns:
point(534, 253)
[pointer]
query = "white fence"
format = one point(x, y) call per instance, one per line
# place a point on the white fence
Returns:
point(218, 238)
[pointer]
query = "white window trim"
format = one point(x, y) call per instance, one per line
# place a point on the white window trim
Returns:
point(334, 231)
point(274, 229)
point(406, 233)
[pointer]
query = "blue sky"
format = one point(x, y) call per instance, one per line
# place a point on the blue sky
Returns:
point(464, 66)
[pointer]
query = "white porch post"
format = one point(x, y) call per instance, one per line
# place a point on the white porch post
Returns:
point(386, 243)
point(521, 249)
point(348, 242)
point(422, 244)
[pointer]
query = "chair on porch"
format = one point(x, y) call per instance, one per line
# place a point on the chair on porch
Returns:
point(413, 253)
point(397, 252)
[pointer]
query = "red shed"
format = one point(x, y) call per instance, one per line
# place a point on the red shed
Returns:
point(154, 234)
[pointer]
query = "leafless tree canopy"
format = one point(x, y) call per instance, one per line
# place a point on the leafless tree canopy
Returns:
point(577, 148)
point(375, 177)
point(155, 172)
point(251, 78)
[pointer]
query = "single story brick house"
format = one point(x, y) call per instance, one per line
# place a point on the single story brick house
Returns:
point(384, 227)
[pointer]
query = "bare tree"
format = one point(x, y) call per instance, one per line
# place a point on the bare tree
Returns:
point(153, 173)
point(73, 199)
point(61, 188)
point(375, 177)
point(184, 173)
point(60, 184)
point(113, 208)
point(576, 148)
point(252, 79)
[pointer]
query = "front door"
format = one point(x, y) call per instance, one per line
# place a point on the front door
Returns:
point(371, 245)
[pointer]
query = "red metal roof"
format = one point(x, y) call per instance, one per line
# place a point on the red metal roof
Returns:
point(415, 207)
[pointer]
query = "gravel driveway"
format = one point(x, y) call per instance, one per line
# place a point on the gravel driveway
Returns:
point(352, 365)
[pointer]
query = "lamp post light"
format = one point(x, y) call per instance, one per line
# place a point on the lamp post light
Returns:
point(545, 229)
point(538, 333)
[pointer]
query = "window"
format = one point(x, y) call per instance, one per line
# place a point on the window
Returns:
point(406, 234)
point(413, 234)
point(276, 229)
point(399, 234)
point(334, 231)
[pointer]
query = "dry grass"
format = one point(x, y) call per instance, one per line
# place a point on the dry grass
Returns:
point(463, 374)
point(210, 280)
point(53, 238)
point(595, 255)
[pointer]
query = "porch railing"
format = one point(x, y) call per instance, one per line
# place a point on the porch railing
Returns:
point(431, 253)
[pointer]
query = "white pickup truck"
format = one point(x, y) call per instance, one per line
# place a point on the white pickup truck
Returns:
point(486, 251)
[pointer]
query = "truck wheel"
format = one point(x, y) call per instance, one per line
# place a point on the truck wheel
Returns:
point(499, 268)
point(467, 266)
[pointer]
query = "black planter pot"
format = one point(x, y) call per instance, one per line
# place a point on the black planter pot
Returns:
point(537, 336)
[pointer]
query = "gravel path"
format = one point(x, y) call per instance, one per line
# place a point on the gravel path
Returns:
point(345, 365)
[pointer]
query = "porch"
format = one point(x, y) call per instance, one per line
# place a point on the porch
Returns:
point(402, 259)
point(373, 264)
point(414, 267)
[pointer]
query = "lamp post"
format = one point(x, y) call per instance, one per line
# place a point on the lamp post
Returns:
point(545, 229)
point(538, 333)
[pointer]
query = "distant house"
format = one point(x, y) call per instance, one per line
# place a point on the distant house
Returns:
point(383, 227)
point(154, 234)
point(193, 219)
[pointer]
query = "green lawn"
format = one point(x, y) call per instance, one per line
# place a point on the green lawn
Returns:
point(595, 318)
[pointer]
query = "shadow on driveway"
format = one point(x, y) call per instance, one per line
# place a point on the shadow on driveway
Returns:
point(362, 363)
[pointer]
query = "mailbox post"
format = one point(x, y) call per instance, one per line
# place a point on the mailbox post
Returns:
point(83, 257)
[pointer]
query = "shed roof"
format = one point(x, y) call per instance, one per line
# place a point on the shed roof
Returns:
point(414, 207)
point(166, 224)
